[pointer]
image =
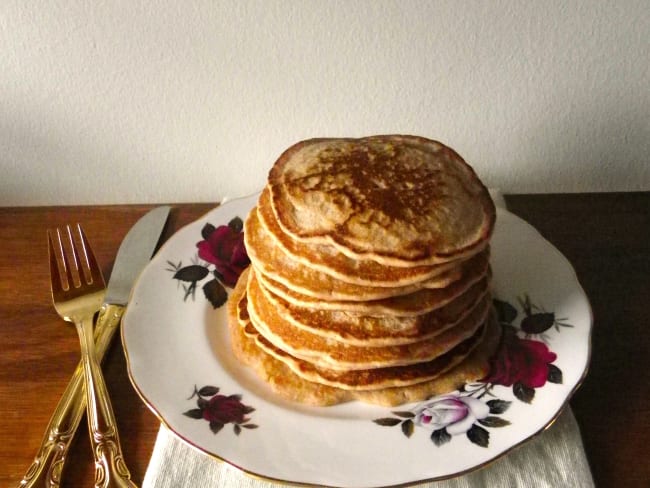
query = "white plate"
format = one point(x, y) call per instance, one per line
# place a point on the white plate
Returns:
point(177, 344)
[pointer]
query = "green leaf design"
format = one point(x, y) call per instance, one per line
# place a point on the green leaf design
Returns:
point(215, 426)
point(404, 414)
point(498, 406)
point(505, 312)
point(523, 392)
point(478, 435)
point(208, 391)
point(236, 224)
point(440, 437)
point(407, 428)
point(215, 293)
point(554, 374)
point(387, 421)
point(207, 230)
point(492, 421)
point(191, 273)
point(195, 413)
point(237, 429)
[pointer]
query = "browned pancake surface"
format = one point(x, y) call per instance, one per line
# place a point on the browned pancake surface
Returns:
point(399, 200)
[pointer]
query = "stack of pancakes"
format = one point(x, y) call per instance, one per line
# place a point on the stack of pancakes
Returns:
point(369, 274)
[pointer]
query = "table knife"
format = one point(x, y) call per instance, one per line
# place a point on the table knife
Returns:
point(135, 251)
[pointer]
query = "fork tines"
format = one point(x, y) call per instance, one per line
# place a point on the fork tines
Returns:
point(69, 271)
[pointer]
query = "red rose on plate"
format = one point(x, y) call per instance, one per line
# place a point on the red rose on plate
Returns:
point(225, 409)
point(521, 361)
point(224, 247)
point(220, 410)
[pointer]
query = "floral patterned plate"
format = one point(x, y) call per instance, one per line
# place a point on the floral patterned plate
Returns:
point(176, 340)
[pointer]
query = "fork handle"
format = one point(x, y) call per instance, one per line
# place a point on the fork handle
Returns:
point(110, 468)
point(47, 466)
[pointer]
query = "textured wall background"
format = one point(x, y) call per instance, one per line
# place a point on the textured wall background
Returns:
point(164, 101)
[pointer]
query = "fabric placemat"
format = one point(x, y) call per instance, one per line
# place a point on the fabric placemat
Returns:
point(554, 458)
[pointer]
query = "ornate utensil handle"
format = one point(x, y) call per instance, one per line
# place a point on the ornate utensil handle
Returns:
point(110, 468)
point(47, 467)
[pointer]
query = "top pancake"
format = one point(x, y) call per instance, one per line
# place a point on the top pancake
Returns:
point(398, 200)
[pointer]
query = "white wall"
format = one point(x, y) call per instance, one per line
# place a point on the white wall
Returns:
point(169, 101)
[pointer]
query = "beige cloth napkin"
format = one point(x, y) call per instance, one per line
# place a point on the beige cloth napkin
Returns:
point(553, 459)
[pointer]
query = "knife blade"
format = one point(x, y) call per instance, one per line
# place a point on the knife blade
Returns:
point(134, 252)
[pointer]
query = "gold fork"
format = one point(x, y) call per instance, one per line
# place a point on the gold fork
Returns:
point(77, 294)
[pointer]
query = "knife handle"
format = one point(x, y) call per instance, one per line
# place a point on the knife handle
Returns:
point(46, 469)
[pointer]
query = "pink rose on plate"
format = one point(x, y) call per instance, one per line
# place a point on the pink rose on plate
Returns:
point(454, 413)
point(448, 415)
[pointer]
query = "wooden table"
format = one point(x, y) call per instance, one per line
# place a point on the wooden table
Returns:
point(605, 236)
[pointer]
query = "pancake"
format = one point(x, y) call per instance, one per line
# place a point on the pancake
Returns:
point(331, 354)
point(378, 330)
point(284, 382)
point(413, 304)
point(329, 260)
point(275, 263)
point(397, 200)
